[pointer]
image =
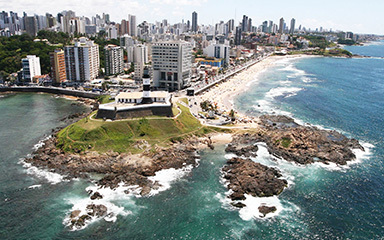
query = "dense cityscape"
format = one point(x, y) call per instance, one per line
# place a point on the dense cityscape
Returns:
point(96, 50)
point(231, 130)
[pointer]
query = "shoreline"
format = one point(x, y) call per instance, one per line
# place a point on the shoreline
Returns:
point(142, 170)
point(224, 94)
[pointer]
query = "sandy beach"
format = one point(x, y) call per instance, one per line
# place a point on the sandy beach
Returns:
point(223, 94)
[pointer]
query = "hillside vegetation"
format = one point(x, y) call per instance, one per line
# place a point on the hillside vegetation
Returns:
point(131, 135)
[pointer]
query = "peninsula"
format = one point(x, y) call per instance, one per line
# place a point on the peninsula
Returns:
point(130, 152)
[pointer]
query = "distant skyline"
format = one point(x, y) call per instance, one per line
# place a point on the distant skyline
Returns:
point(355, 16)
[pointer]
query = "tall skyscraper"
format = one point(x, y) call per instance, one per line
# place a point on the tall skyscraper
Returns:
point(249, 26)
point(292, 29)
point(194, 22)
point(31, 26)
point(171, 64)
point(264, 27)
point(231, 25)
point(132, 25)
point(58, 72)
point(244, 24)
point(82, 60)
point(238, 36)
point(270, 27)
point(140, 57)
point(124, 27)
point(114, 60)
point(281, 26)
point(31, 67)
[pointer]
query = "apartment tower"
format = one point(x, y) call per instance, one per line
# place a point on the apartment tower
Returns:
point(58, 72)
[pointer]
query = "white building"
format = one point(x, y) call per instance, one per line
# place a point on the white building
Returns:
point(114, 60)
point(31, 67)
point(127, 41)
point(112, 32)
point(218, 50)
point(82, 60)
point(140, 58)
point(171, 63)
point(137, 97)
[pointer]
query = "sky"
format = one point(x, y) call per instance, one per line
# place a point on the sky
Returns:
point(347, 15)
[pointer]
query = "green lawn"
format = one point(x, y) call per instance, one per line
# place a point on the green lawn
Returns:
point(126, 135)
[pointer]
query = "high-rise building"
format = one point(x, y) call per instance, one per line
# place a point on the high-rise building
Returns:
point(171, 64)
point(292, 29)
point(132, 25)
point(281, 26)
point(112, 31)
point(31, 67)
point(249, 26)
point(126, 41)
point(31, 26)
point(270, 27)
point(114, 60)
point(124, 27)
point(51, 20)
point(140, 58)
point(264, 27)
point(65, 21)
point(231, 25)
point(82, 60)
point(238, 36)
point(194, 22)
point(58, 72)
point(244, 24)
point(218, 50)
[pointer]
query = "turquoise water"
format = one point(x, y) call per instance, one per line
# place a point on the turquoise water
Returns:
point(342, 94)
point(321, 202)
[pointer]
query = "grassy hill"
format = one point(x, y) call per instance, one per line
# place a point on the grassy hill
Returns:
point(131, 135)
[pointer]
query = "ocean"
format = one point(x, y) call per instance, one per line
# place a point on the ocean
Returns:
point(321, 201)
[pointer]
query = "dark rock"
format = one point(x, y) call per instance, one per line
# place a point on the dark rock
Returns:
point(96, 195)
point(239, 195)
point(301, 144)
point(238, 204)
point(265, 210)
point(248, 177)
point(246, 151)
point(145, 191)
point(97, 210)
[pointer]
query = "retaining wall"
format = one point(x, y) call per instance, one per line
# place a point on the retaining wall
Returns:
point(51, 90)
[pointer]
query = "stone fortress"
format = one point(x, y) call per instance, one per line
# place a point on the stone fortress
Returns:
point(138, 104)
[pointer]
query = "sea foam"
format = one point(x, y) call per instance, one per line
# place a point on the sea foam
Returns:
point(166, 176)
point(51, 177)
point(117, 200)
point(111, 199)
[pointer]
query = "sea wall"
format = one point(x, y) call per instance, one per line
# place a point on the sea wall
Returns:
point(144, 111)
point(52, 90)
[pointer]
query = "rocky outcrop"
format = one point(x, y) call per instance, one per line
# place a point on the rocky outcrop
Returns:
point(247, 177)
point(264, 210)
point(246, 151)
point(301, 144)
point(131, 170)
point(116, 167)
point(92, 211)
